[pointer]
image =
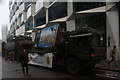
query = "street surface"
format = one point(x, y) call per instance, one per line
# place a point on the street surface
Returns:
point(12, 70)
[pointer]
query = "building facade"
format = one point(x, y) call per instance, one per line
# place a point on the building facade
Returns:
point(0, 45)
point(102, 17)
point(4, 33)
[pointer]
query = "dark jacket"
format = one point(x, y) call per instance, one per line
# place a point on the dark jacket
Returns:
point(24, 58)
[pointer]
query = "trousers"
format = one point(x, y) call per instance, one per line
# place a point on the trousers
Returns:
point(24, 67)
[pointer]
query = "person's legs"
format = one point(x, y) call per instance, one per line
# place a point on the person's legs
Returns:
point(23, 69)
point(110, 60)
point(26, 68)
point(115, 62)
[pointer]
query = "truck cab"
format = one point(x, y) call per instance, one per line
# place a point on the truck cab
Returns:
point(77, 50)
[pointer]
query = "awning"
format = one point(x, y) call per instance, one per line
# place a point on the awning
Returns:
point(60, 20)
point(29, 31)
point(95, 10)
point(22, 34)
point(87, 13)
point(42, 26)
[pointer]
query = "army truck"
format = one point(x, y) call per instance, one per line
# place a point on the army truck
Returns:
point(73, 50)
point(15, 45)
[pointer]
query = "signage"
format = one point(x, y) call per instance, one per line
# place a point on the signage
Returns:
point(41, 60)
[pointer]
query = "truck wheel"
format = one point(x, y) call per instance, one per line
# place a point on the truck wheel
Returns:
point(72, 66)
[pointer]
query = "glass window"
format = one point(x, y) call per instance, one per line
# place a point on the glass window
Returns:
point(96, 22)
point(29, 25)
point(40, 19)
point(79, 6)
point(26, 4)
point(58, 10)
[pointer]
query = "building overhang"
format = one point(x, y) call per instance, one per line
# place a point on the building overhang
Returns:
point(59, 20)
point(87, 13)
point(64, 19)
point(95, 10)
point(42, 26)
point(29, 31)
point(22, 34)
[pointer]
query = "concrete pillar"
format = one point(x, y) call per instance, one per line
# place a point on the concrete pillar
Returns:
point(112, 27)
point(70, 7)
point(47, 18)
point(70, 25)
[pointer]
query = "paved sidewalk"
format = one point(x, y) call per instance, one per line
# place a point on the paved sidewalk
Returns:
point(104, 65)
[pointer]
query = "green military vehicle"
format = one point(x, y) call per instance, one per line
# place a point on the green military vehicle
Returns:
point(73, 50)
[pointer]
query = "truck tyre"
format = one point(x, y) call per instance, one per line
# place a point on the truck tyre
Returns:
point(73, 66)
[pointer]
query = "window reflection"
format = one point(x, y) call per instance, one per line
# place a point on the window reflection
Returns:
point(40, 20)
point(79, 6)
point(96, 22)
point(58, 11)
point(29, 25)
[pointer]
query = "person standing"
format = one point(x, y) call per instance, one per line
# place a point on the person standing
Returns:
point(112, 55)
point(24, 61)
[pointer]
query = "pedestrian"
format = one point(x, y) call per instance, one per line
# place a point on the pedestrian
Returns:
point(24, 61)
point(7, 55)
point(112, 55)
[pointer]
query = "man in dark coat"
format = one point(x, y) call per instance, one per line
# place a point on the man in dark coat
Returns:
point(24, 61)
